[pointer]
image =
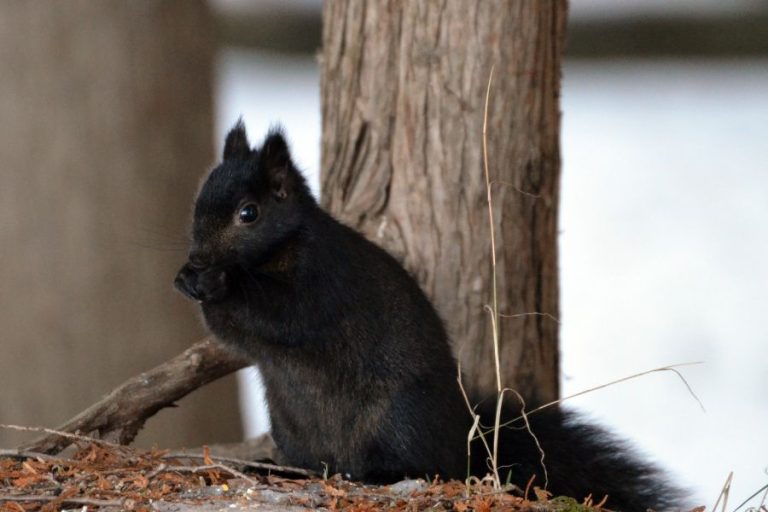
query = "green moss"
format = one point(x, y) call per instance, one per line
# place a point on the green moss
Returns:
point(566, 504)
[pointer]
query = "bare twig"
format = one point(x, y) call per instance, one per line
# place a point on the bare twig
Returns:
point(57, 433)
point(119, 416)
point(16, 454)
point(159, 469)
point(73, 501)
point(207, 467)
point(247, 463)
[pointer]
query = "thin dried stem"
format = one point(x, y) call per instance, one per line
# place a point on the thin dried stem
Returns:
point(533, 313)
point(724, 492)
point(524, 416)
point(494, 309)
point(60, 433)
point(489, 195)
point(518, 189)
point(470, 435)
point(671, 368)
point(241, 462)
point(764, 490)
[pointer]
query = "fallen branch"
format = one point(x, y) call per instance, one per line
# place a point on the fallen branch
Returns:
point(86, 502)
point(120, 415)
point(16, 454)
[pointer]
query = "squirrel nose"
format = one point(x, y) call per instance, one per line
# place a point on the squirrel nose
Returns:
point(186, 283)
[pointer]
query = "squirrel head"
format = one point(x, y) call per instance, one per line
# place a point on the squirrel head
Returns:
point(248, 208)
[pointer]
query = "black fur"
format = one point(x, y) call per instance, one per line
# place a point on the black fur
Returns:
point(358, 370)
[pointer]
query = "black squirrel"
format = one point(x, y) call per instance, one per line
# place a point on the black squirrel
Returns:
point(359, 374)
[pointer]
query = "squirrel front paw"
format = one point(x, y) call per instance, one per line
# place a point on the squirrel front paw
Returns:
point(207, 285)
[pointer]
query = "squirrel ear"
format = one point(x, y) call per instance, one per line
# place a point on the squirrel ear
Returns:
point(236, 145)
point(275, 162)
point(274, 152)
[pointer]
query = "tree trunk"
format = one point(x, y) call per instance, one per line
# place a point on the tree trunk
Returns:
point(403, 89)
point(106, 112)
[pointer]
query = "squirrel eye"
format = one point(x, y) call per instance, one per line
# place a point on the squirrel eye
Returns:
point(248, 213)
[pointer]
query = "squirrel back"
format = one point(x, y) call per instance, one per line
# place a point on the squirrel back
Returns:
point(358, 370)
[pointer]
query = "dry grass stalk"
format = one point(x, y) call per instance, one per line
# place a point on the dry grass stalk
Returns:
point(724, 493)
point(493, 311)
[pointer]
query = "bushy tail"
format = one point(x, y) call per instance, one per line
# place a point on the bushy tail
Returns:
point(580, 460)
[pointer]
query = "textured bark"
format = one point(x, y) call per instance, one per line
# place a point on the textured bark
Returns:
point(403, 87)
point(106, 112)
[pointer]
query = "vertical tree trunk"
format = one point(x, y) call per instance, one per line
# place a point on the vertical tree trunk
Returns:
point(403, 87)
point(106, 127)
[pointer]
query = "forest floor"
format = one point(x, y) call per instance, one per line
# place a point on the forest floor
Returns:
point(105, 478)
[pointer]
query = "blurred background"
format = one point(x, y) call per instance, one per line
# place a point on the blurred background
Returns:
point(113, 111)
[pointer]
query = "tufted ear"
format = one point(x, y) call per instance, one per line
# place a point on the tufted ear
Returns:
point(274, 152)
point(236, 145)
point(275, 162)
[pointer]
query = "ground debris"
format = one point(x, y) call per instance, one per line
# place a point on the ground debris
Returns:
point(104, 478)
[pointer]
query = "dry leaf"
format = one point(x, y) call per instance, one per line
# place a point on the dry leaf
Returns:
point(460, 506)
point(25, 481)
point(332, 491)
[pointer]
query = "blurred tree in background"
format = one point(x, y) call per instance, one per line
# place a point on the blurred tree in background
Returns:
point(106, 112)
